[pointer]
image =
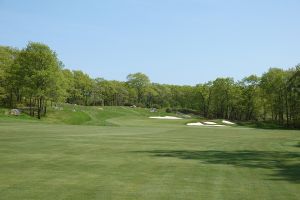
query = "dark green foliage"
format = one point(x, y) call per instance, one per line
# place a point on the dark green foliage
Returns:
point(168, 110)
point(183, 111)
point(128, 104)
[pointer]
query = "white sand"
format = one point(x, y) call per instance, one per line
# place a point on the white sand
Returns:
point(165, 117)
point(210, 123)
point(227, 122)
point(195, 124)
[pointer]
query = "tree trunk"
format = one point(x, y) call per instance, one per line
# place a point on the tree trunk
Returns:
point(39, 107)
point(45, 109)
point(11, 99)
point(30, 106)
point(287, 110)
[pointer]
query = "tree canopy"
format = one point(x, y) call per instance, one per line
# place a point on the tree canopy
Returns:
point(35, 78)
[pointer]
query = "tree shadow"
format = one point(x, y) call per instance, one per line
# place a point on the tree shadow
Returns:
point(268, 125)
point(285, 165)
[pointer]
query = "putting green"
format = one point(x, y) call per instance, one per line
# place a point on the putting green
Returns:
point(135, 157)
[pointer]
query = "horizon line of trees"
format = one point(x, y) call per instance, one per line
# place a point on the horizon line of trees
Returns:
point(34, 77)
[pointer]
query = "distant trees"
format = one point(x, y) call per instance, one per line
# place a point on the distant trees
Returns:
point(8, 58)
point(292, 97)
point(250, 97)
point(140, 82)
point(280, 91)
point(36, 74)
point(34, 78)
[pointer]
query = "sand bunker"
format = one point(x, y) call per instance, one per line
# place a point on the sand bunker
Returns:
point(210, 123)
point(195, 124)
point(165, 117)
point(227, 122)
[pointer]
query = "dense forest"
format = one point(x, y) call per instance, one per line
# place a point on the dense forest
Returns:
point(33, 78)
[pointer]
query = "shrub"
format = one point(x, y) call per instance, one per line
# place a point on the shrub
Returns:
point(140, 105)
point(128, 104)
point(156, 106)
point(168, 110)
point(184, 111)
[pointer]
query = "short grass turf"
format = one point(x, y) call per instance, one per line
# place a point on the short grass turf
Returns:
point(134, 157)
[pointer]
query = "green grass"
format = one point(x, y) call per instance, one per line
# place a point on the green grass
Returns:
point(133, 157)
point(95, 115)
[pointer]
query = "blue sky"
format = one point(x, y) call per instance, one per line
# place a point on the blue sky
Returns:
point(172, 41)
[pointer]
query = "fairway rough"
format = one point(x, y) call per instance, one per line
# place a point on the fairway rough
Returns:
point(165, 117)
point(201, 124)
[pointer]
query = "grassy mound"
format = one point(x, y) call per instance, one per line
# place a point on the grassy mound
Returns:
point(95, 115)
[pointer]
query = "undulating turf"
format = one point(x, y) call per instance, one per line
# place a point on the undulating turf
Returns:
point(134, 157)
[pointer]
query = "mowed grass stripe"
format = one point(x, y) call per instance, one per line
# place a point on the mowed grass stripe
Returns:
point(141, 158)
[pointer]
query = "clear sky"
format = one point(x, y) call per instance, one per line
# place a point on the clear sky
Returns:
point(172, 41)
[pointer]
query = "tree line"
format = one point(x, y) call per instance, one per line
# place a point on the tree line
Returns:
point(33, 78)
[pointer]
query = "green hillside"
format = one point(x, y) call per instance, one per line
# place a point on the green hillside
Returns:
point(99, 116)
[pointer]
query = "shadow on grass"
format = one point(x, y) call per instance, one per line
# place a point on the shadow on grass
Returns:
point(285, 165)
point(265, 125)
